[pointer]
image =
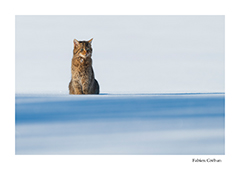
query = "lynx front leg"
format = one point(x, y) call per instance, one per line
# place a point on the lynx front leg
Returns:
point(77, 87)
point(85, 86)
point(85, 89)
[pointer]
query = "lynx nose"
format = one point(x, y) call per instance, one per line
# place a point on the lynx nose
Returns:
point(84, 52)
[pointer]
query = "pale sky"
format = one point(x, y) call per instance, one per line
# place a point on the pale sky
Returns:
point(131, 54)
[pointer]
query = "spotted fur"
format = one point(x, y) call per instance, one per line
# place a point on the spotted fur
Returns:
point(83, 80)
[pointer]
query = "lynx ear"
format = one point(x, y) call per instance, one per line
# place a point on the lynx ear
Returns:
point(90, 41)
point(76, 43)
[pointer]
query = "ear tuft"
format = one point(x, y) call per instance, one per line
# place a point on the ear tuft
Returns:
point(90, 41)
point(76, 43)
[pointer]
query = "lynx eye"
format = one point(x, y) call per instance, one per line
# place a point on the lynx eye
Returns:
point(81, 50)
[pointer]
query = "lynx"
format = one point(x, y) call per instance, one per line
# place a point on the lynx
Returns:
point(83, 80)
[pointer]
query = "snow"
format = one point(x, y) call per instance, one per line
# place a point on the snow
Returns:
point(162, 124)
point(152, 54)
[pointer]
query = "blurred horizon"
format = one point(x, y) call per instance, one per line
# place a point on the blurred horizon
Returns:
point(120, 124)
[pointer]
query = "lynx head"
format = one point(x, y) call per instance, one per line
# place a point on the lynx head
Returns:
point(82, 48)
